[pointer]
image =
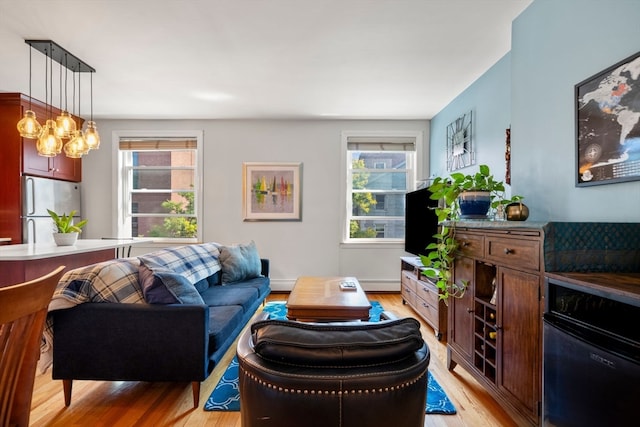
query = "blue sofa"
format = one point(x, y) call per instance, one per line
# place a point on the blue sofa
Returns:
point(180, 340)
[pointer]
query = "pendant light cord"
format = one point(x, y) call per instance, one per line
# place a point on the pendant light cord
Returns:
point(91, 93)
point(79, 94)
point(46, 82)
point(60, 84)
point(66, 78)
point(30, 52)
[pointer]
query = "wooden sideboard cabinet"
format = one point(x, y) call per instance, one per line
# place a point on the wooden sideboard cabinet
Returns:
point(495, 327)
point(422, 295)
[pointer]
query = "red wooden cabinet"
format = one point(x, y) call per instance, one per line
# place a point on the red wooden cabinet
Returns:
point(19, 157)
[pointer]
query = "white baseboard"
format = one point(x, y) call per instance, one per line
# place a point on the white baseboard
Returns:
point(286, 285)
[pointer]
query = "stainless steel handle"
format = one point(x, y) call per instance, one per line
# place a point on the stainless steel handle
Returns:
point(31, 196)
point(30, 232)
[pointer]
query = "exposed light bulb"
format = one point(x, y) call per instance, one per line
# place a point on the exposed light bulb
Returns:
point(49, 143)
point(77, 146)
point(28, 126)
point(91, 136)
point(65, 125)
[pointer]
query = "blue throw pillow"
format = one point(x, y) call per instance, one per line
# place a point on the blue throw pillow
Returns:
point(240, 262)
point(163, 286)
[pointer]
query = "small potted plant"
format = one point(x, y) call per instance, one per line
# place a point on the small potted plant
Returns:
point(449, 191)
point(66, 232)
point(469, 196)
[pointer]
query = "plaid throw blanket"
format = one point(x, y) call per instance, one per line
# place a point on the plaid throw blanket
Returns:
point(109, 281)
point(193, 262)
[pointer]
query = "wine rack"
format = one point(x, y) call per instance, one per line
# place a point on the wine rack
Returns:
point(485, 316)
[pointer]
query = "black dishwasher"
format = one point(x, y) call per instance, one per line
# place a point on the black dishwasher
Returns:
point(591, 357)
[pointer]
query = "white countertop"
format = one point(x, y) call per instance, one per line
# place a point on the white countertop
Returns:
point(29, 251)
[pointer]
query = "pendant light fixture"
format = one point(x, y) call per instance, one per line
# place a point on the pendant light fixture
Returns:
point(49, 143)
point(91, 135)
point(77, 146)
point(65, 123)
point(49, 137)
point(28, 126)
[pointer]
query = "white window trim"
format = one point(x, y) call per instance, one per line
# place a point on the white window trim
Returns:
point(346, 202)
point(119, 221)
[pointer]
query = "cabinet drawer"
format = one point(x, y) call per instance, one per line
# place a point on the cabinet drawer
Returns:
point(408, 295)
point(409, 280)
point(428, 292)
point(426, 310)
point(470, 244)
point(514, 253)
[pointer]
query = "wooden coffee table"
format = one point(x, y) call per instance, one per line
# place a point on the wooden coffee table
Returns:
point(320, 299)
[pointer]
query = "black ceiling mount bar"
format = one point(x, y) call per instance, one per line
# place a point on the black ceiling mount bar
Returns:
point(61, 55)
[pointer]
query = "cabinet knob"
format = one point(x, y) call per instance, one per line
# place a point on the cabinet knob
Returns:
point(470, 310)
point(508, 251)
point(464, 244)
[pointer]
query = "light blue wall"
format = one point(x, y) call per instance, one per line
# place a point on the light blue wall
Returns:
point(555, 44)
point(489, 100)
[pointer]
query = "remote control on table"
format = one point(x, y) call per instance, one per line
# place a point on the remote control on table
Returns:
point(348, 286)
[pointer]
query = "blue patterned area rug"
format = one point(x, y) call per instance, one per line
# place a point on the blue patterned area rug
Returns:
point(226, 397)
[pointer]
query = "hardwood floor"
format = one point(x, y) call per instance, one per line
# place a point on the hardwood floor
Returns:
point(124, 404)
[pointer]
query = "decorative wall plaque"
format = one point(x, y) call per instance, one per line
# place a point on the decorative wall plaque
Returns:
point(460, 152)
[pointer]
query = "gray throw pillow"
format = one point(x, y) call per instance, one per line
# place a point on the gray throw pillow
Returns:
point(240, 262)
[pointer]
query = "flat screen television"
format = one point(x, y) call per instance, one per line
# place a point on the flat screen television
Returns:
point(421, 222)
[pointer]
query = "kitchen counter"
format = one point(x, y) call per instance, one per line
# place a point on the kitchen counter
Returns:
point(30, 251)
point(20, 263)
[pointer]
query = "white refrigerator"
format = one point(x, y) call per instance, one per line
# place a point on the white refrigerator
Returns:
point(40, 194)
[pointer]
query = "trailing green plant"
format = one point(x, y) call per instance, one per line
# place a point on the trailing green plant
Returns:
point(440, 257)
point(64, 223)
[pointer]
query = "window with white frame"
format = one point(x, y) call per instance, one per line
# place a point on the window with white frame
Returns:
point(159, 186)
point(380, 170)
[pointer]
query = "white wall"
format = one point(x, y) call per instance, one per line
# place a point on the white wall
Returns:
point(489, 99)
point(309, 247)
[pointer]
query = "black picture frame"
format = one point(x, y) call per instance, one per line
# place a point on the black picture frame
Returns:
point(607, 107)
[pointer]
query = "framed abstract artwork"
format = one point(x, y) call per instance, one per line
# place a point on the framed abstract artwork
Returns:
point(271, 191)
point(608, 125)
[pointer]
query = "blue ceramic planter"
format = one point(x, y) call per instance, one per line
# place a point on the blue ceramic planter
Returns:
point(474, 204)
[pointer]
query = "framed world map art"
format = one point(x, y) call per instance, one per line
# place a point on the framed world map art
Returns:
point(608, 125)
point(460, 152)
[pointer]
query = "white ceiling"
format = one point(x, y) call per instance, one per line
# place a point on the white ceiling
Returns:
point(312, 59)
